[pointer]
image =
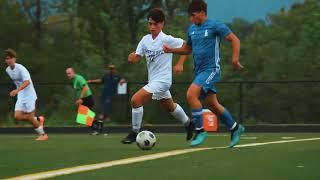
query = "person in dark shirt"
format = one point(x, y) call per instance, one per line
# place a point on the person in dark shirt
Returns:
point(110, 83)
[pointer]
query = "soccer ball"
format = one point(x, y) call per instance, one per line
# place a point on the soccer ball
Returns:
point(146, 140)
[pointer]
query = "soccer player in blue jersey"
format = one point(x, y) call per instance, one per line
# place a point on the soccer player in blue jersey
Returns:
point(204, 37)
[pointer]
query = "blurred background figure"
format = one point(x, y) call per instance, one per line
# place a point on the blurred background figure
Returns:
point(84, 96)
point(110, 81)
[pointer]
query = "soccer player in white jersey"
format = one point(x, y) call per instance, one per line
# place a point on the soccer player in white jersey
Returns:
point(25, 92)
point(159, 75)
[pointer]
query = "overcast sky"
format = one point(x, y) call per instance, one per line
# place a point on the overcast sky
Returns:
point(251, 10)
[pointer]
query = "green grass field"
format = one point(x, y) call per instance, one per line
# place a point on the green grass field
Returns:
point(21, 155)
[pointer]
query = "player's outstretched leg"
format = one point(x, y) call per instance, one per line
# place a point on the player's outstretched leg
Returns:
point(224, 115)
point(200, 133)
point(137, 114)
point(137, 101)
point(42, 135)
point(236, 134)
point(37, 122)
point(193, 95)
point(178, 113)
point(236, 129)
point(190, 129)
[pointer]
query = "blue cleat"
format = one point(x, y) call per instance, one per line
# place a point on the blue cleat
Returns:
point(235, 136)
point(199, 138)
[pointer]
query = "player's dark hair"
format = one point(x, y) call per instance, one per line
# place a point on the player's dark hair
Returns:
point(197, 6)
point(10, 53)
point(157, 15)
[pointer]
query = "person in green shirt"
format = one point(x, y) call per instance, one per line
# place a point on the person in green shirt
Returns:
point(84, 96)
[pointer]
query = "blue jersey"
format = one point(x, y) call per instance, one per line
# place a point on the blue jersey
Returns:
point(205, 41)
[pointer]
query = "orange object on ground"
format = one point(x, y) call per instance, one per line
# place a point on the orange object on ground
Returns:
point(210, 121)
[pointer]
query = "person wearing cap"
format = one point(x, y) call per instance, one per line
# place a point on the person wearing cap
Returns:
point(110, 81)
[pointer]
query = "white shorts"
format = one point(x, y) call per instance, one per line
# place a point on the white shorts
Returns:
point(159, 90)
point(26, 107)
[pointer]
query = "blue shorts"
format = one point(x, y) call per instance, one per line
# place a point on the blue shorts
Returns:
point(207, 80)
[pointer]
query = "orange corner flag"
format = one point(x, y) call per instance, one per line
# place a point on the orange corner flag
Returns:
point(85, 116)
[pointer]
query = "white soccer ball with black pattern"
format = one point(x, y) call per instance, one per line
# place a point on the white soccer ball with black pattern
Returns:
point(146, 140)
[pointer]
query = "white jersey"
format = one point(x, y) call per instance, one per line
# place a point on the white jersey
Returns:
point(159, 63)
point(18, 75)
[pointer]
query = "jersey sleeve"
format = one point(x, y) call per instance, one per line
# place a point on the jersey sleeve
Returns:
point(140, 48)
point(25, 75)
point(82, 82)
point(174, 42)
point(222, 30)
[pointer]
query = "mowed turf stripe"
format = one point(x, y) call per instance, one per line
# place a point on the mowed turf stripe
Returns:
point(90, 167)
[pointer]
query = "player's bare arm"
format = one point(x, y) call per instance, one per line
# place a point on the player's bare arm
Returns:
point(133, 57)
point(183, 50)
point(20, 88)
point(235, 43)
point(83, 93)
point(178, 68)
point(94, 81)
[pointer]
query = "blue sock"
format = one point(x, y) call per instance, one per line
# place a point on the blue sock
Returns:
point(197, 117)
point(227, 119)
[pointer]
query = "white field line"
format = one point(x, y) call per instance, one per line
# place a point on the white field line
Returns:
point(249, 138)
point(90, 167)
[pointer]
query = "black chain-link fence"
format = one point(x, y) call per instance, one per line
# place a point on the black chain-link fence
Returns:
point(276, 102)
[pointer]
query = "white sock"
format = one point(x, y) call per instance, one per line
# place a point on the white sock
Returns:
point(40, 130)
point(137, 114)
point(180, 115)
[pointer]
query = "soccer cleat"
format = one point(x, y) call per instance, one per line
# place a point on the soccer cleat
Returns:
point(43, 137)
point(100, 126)
point(199, 138)
point(130, 138)
point(41, 121)
point(190, 130)
point(94, 133)
point(235, 136)
point(96, 127)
